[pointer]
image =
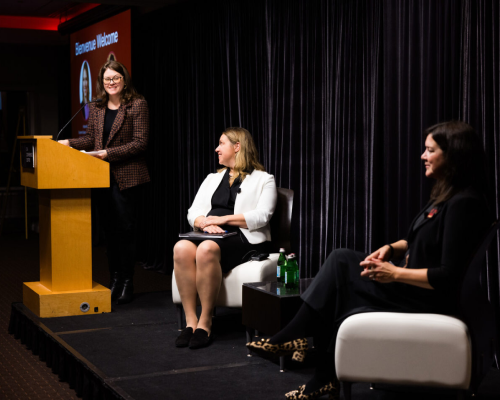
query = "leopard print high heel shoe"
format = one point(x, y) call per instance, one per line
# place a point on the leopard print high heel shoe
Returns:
point(297, 348)
point(332, 389)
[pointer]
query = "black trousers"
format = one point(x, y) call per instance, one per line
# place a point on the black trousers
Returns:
point(339, 291)
point(117, 217)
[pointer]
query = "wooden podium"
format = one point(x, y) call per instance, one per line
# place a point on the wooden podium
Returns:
point(63, 177)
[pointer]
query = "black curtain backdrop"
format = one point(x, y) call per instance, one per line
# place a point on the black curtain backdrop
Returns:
point(336, 95)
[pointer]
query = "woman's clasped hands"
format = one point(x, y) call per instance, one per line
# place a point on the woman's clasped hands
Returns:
point(377, 268)
point(211, 224)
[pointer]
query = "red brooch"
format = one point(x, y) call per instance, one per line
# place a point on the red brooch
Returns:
point(432, 213)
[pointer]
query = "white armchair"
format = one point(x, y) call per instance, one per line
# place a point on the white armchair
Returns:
point(230, 294)
point(423, 349)
point(404, 349)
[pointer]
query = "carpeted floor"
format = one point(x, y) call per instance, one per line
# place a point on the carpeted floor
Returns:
point(22, 374)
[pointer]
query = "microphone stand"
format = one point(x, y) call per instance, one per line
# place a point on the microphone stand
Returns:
point(73, 117)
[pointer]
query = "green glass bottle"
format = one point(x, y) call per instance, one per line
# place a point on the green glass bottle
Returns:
point(292, 273)
point(280, 269)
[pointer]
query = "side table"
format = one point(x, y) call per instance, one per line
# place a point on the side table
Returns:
point(268, 307)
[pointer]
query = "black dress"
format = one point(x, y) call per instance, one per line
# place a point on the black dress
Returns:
point(441, 239)
point(236, 249)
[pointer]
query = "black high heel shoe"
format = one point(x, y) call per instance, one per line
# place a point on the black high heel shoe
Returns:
point(331, 388)
point(127, 293)
point(297, 348)
point(116, 286)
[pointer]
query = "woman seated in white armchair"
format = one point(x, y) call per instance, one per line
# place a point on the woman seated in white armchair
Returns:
point(434, 255)
point(241, 198)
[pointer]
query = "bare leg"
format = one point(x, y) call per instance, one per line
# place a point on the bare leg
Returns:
point(208, 280)
point(185, 276)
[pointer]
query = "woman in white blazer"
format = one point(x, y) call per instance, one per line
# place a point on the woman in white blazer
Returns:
point(241, 198)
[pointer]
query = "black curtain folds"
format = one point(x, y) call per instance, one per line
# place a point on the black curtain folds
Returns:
point(336, 95)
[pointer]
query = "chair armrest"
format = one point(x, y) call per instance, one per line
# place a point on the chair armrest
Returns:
point(405, 349)
point(230, 294)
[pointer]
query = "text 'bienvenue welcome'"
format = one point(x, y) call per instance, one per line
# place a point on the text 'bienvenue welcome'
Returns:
point(100, 41)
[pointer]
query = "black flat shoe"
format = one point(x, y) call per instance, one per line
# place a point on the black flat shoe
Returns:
point(184, 338)
point(200, 339)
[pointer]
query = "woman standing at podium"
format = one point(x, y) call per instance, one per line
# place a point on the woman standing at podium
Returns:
point(118, 129)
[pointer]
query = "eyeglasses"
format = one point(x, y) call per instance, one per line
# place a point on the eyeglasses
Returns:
point(114, 79)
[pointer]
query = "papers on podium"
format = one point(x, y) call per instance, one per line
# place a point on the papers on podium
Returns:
point(91, 153)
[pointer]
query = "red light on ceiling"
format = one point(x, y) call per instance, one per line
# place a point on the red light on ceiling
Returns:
point(43, 24)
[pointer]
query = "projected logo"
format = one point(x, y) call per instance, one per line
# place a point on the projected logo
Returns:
point(85, 88)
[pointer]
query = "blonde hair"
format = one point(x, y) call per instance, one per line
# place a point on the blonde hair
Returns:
point(247, 159)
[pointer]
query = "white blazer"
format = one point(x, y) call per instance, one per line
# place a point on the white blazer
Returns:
point(256, 201)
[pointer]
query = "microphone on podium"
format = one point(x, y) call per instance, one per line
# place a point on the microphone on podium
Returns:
point(81, 108)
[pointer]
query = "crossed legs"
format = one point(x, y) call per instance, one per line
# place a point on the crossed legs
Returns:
point(198, 272)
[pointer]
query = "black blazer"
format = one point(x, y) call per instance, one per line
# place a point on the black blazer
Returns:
point(445, 242)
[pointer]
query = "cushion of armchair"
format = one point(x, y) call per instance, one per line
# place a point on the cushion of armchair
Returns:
point(404, 348)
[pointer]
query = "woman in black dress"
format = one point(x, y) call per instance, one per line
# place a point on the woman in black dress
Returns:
point(440, 242)
point(240, 198)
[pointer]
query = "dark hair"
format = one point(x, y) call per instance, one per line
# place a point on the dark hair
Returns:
point(464, 160)
point(86, 98)
point(128, 94)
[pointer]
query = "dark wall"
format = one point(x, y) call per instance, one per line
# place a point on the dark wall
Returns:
point(39, 70)
point(34, 75)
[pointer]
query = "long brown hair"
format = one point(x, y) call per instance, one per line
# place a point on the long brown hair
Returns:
point(247, 159)
point(128, 93)
point(464, 160)
point(86, 98)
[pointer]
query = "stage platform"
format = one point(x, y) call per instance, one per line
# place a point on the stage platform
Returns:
point(130, 354)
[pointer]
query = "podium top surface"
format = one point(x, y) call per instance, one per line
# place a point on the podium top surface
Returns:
point(47, 164)
point(35, 137)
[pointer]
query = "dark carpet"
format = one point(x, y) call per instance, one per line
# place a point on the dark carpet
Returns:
point(22, 374)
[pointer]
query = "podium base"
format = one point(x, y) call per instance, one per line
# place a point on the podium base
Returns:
point(46, 303)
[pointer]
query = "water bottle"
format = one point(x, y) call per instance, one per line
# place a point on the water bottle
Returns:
point(280, 269)
point(291, 273)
